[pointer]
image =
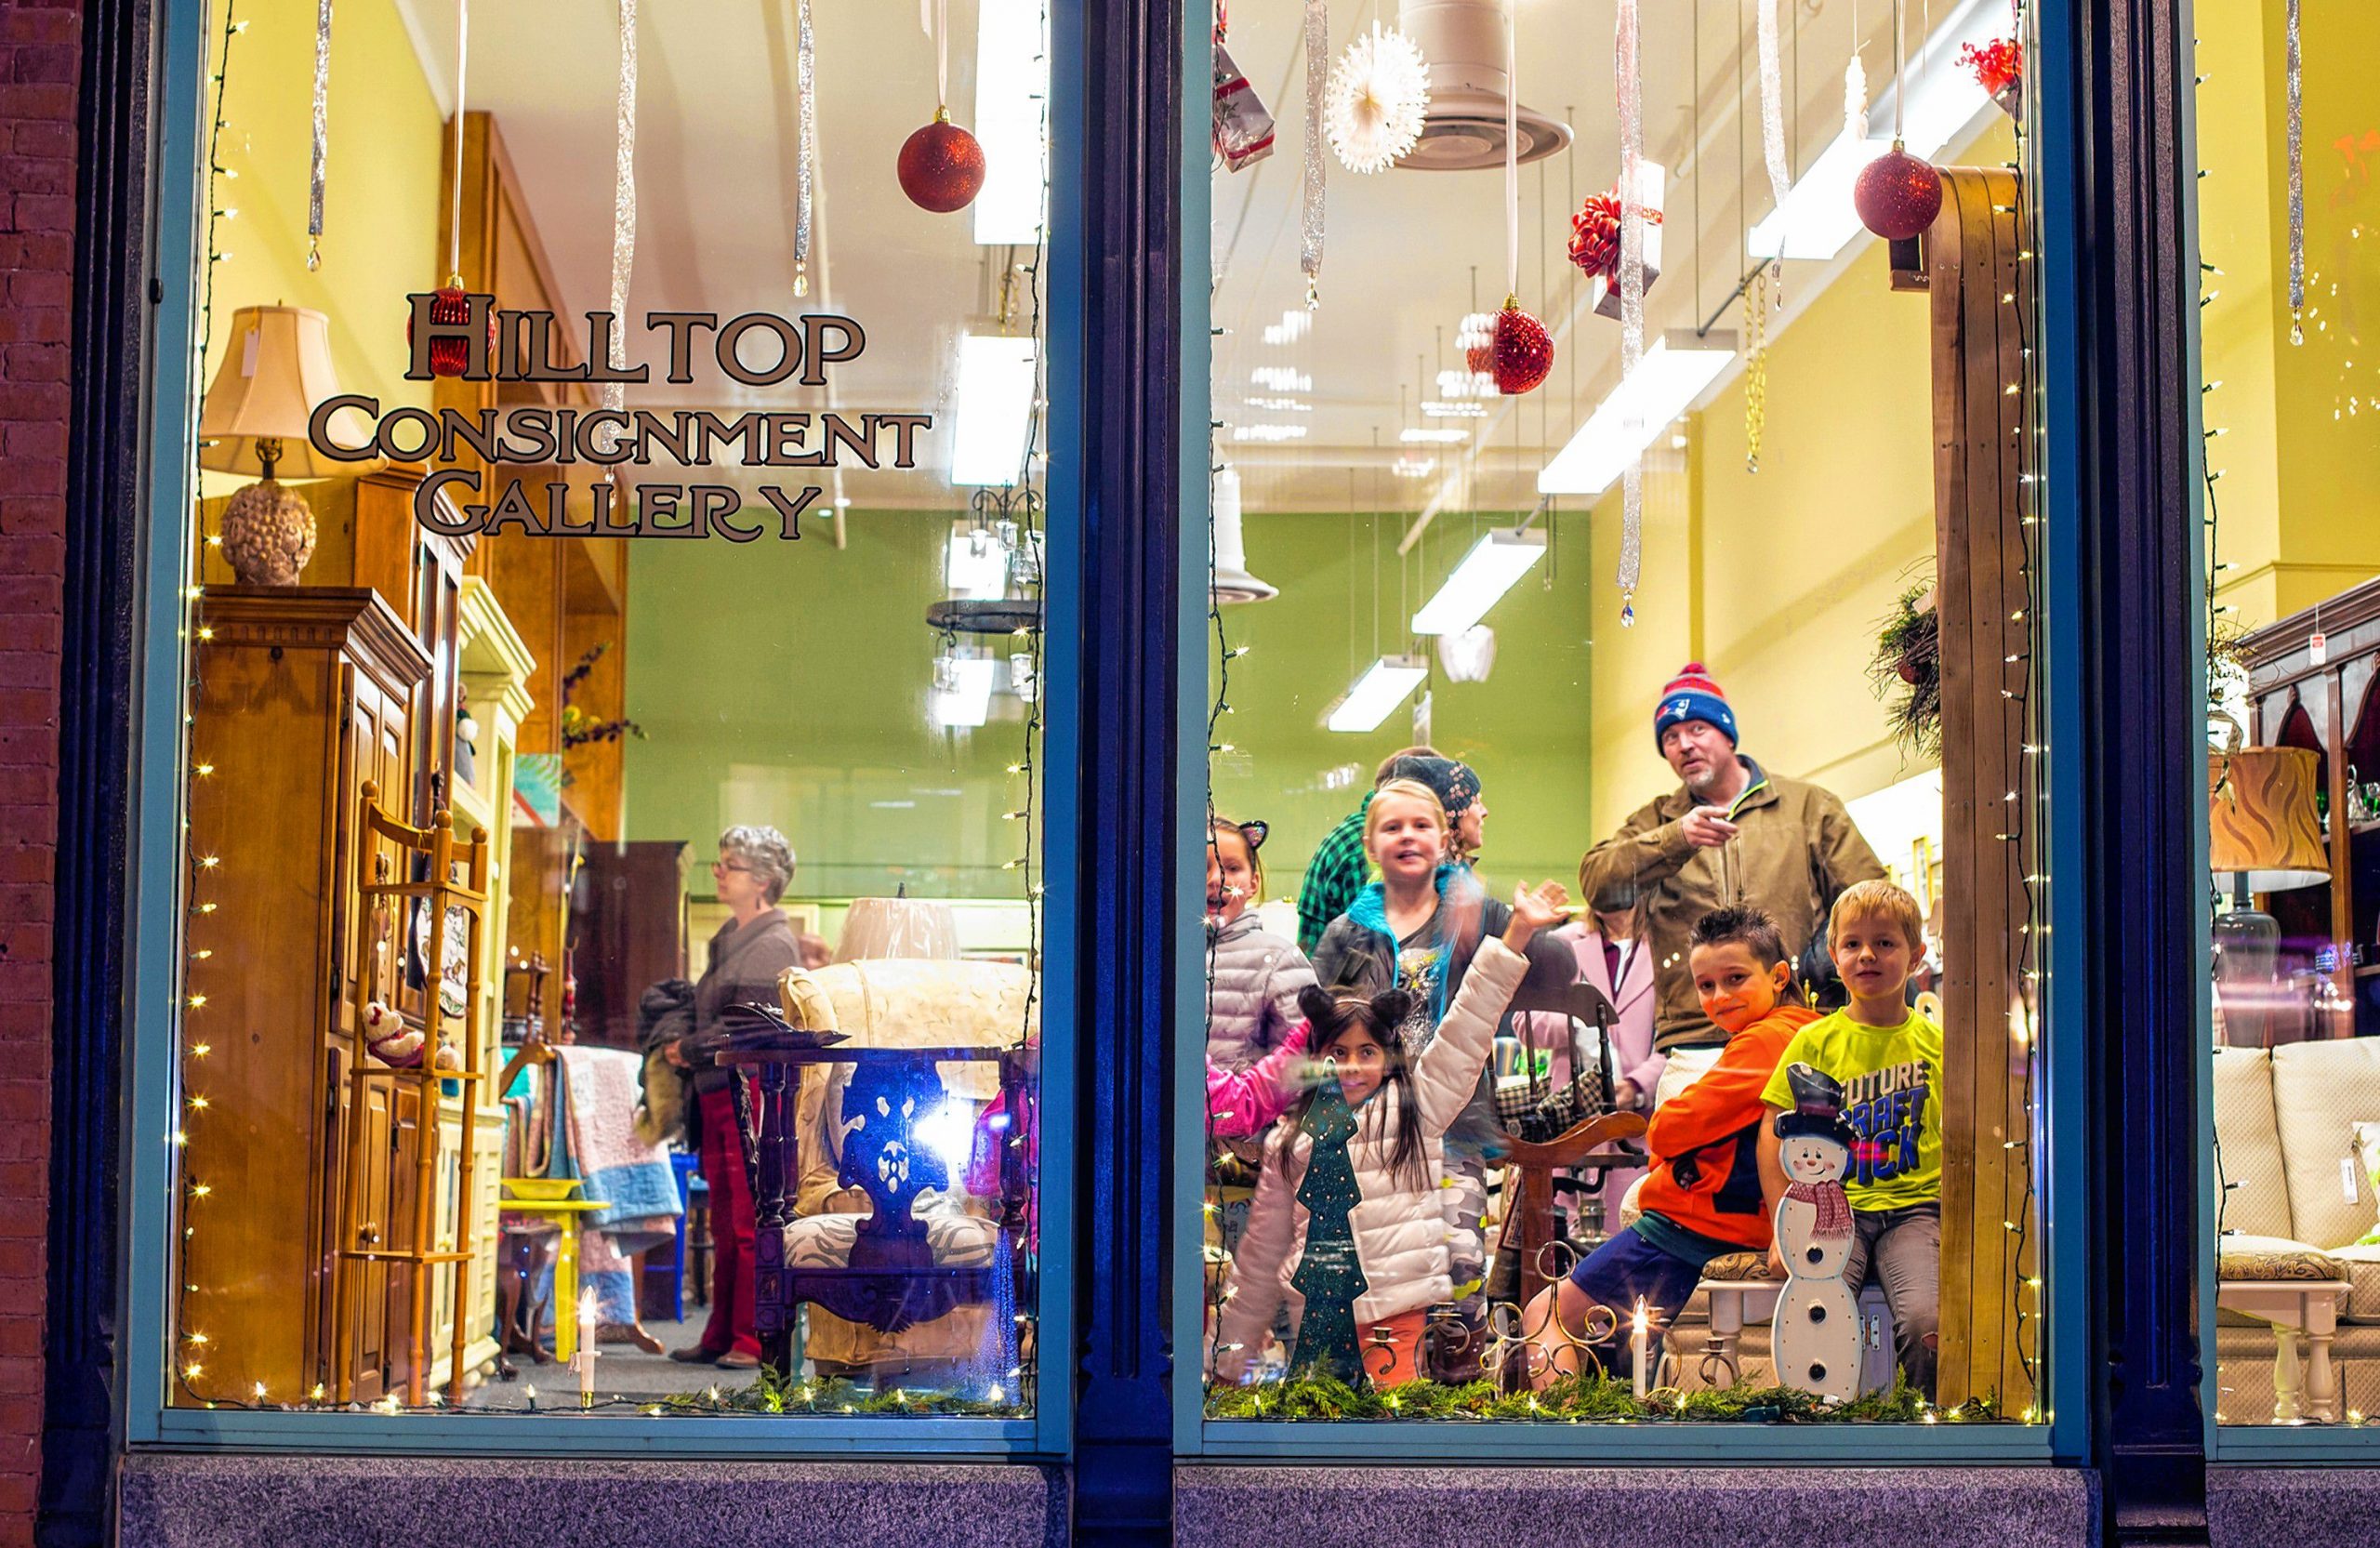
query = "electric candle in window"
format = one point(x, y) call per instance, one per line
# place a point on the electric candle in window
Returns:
point(1636, 1348)
point(584, 1360)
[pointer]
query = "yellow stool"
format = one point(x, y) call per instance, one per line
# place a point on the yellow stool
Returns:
point(563, 1211)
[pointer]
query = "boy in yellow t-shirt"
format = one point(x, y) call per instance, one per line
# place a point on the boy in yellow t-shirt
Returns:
point(1889, 1061)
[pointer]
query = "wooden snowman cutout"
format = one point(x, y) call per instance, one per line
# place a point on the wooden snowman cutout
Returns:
point(1817, 1328)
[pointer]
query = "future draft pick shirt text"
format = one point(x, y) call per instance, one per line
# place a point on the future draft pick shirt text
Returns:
point(1891, 1086)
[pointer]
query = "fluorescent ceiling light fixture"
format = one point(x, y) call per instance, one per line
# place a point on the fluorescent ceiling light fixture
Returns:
point(1816, 220)
point(976, 563)
point(1268, 433)
point(1673, 373)
point(1433, 435)
point(1466, 384)
point(1011, 113)
point(1383, 687)
point(961, 695)
point(995, 409)
point(1281, 378)
point(1492, 567)
point(1290, 328)
point(1462, 409)
point(1279, 405)
point(1412, 465)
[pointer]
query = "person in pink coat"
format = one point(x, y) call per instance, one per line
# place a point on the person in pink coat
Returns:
point(1613, 956)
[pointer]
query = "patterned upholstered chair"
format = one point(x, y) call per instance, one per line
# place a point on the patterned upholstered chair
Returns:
point(869, 1221)
point(2294, 1198)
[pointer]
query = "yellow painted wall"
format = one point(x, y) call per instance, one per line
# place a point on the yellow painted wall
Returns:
point(381, 205)
point(2301, 447)
point(1777, 580)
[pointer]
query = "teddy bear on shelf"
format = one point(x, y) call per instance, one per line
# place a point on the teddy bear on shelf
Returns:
point(1816, 1329)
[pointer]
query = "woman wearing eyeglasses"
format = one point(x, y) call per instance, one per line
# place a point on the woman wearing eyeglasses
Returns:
point(757, 942)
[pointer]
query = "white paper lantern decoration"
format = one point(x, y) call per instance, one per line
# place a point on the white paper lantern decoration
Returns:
point(1377, 101)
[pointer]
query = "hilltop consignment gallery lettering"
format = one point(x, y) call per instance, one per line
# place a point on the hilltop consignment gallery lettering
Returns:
point(757, 349)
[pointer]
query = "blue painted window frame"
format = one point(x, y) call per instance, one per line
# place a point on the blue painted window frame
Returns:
point(2064, 1438)
point(154, 925)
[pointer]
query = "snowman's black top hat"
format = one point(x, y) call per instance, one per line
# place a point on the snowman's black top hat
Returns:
point(1817, 1106)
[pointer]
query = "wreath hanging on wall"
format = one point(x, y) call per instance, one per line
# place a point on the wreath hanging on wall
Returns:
point(1906, 669)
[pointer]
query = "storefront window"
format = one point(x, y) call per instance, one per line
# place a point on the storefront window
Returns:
point(2293, 668)
point(1627, 802)
point(612, 800)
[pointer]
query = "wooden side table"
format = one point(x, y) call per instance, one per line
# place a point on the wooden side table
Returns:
point(564, 1213)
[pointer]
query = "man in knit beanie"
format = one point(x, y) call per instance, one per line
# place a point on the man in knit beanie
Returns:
point(1730, 835)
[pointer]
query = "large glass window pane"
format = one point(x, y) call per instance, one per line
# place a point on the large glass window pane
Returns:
point(610, 946)
point(2293, 632)
point(1697, 580)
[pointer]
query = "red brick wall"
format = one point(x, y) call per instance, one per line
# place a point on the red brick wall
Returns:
point(40, 51)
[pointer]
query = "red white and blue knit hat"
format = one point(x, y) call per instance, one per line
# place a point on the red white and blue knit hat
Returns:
point(1692, 696)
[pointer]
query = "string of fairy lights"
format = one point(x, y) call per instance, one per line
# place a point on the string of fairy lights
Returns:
point(200, 866)
point(195, 1365)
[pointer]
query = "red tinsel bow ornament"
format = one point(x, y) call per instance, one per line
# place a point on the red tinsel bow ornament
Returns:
point(1996, 66)
point(1594, 236)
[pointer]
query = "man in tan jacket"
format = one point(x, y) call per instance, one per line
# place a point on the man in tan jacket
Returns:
point(1731, 834)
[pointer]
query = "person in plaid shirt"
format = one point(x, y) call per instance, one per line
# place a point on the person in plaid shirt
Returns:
point(1340, 868)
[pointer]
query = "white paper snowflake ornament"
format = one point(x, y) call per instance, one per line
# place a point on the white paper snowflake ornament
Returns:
point(1379, 97)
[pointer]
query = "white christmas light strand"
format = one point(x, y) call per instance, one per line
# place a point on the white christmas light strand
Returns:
point(623, 199)
point(1318, 66)
point(2294, 78)
point(1627, 66)
point(322, 138)
point(1378, 99)
point(805, 74)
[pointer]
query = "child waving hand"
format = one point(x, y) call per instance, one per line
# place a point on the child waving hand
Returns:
point(1347, 1224)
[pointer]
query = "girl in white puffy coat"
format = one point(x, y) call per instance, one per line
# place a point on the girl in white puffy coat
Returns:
point(1347, 1224)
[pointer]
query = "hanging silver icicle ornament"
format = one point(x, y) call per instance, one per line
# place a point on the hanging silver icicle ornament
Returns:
point(1627, 67)
point(805, 75)
point(322, 135)
point(1318, 82)
point(623, 202)
point(2295, 83)
point(1772, 105)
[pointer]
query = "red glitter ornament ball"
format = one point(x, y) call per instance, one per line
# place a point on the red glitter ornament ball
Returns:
point(942, 167)
point(1897, 194)
point(1523, 351)
point(450, 356)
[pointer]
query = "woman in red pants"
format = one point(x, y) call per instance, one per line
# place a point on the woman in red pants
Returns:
point(755, 865)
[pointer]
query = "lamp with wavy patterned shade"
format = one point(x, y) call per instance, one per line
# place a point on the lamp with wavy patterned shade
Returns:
point(2263, 832)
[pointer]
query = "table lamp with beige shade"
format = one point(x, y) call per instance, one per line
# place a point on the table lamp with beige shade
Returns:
point(900, 926)
point(2263, 832)
point(277, 370)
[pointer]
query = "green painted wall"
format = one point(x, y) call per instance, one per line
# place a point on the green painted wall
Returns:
point(785, 683)
point(1526, 729)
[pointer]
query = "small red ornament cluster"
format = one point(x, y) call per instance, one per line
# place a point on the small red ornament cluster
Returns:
point(1521, 352)
point(1594, 236)
point(1897, 194)
point(450, 356)
point(1997, 66)
point(942, 167)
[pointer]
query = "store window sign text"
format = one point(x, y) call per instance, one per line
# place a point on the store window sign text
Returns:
point(754, 349)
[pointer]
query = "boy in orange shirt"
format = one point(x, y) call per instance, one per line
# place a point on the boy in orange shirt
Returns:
point(1702, 1198)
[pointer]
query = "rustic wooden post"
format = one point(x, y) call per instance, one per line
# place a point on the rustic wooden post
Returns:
point(1980, 277)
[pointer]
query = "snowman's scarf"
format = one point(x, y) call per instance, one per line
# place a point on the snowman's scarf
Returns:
point(1827, 1200)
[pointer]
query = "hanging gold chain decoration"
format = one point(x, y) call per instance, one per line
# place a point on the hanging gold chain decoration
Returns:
point(1317, 84)
point(1631, 92)
point(322, 136)
point(1756, 368)
point(805, 75)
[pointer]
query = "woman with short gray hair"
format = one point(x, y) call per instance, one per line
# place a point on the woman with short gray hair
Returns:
point(754, 868)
